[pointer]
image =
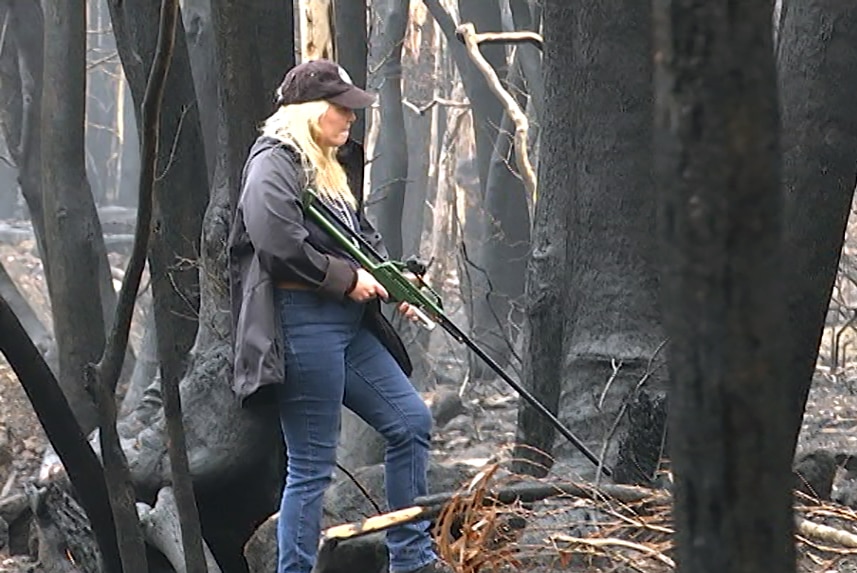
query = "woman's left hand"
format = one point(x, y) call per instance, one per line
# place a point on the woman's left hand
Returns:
point(409, 312)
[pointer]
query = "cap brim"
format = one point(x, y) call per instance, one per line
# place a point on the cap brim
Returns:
point(353, 98)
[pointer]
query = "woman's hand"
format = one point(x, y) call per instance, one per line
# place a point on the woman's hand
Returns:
point(409, 312)
point(367, 288)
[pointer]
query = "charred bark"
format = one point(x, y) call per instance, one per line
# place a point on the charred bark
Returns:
point(352, 53)
point(529, 57)
point(106, 371)
point(502, 252)
point(170, 130)
point(817, 67)
point(487, 109)
point(202, 55)
point(546, 279)
point(79, 230)
point(65, 542)
point(228, 445)
point(24, 140)
point(613, 334)
point(390, 166)
point(612, 351)
point(720, 212)
point(71, 222)
point(181, 184)
point(480, 283)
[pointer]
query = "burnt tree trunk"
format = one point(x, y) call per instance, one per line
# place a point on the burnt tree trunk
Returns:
point(229, 446)
point(547, 277)
point(419, 85)
point(199, 35)
point(24, 140)
point(478, 281)
point(817, 75)
point(390, 164)
point(180, 195)
point(503, 250)
point(487, 109)
point(11, 116)
point(614, 328)
point(71, 222)
point(181, 185)
point(77, 233)
point(526, 17)
point(352, 52)
point(613, 388)
point(720, 207)
point(485, 279)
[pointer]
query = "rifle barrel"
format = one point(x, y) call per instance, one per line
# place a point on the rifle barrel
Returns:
point(456, 332)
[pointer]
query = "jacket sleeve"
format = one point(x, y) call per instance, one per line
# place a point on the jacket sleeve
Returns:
point(271, 204)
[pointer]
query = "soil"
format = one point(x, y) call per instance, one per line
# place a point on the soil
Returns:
point(476, 431)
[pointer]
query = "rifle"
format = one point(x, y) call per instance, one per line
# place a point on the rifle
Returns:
point(426, 303)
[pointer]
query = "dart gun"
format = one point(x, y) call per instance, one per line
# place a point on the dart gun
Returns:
point(404, 283)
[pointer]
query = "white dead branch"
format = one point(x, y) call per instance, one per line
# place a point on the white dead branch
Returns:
point(162, 530)
point(467, 33)
point(317, 30)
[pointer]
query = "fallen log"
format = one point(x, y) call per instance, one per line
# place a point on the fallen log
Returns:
point(431, 506)
point(66, 540)
point(162, 530)
point(531, 491)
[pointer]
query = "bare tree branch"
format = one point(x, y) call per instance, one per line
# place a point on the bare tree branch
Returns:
point(471, 39)
point(423, 109)
point(524, 37)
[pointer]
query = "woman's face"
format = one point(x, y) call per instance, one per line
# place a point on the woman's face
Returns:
point(334, 126)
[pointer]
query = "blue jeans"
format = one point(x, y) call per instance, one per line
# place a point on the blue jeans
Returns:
point(331, 360)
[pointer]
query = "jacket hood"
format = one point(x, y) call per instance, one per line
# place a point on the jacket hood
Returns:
point(265, 142)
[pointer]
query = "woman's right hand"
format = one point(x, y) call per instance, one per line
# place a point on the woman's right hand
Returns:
point(367, 288)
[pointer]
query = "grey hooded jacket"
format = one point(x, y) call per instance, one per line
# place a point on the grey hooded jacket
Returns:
point(271, 242)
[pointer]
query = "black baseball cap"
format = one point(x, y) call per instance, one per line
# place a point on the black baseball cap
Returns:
point(321, 80)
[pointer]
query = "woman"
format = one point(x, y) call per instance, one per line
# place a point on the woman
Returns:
point(307, 320)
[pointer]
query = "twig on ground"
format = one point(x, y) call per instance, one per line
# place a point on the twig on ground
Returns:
point(605, 542)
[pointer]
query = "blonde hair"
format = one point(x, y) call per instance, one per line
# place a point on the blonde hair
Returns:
point(297, 125)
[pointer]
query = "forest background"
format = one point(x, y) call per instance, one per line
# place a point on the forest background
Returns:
point(640, 211)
